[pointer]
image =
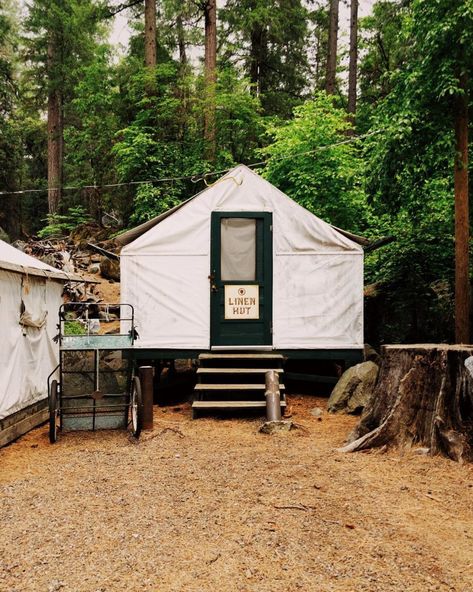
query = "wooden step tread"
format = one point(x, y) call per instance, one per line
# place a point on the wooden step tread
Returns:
point(255, 356)
point(233, 387)
point(237, 370)
point(231, 404)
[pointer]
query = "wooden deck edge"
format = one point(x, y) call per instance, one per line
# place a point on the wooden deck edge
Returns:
point(23, 426)
point(232, 404)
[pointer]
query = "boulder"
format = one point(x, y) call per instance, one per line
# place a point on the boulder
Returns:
point(94, 268)
point(354, 389)
point(273, 427)
point(4, 236)
point(371, 355)
point(110, 269)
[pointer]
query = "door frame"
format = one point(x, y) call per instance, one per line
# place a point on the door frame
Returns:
point(266, 256)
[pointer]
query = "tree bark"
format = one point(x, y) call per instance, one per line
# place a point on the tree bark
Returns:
point(150, 33)
point(181, 42)
point(258, 55)
point(55, 135)
point(423, 398)
point(330, 81)
point(210, 12)
point(353, 63)
point(462, 225)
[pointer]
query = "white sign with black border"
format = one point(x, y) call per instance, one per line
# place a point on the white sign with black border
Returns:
point(242, 302)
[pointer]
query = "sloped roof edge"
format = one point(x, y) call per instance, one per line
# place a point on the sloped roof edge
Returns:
point(12, 259)
point(44, 273)
point(129, 236)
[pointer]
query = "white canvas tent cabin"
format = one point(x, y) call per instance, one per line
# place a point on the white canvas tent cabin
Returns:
point(30, 297)
point(242, 267)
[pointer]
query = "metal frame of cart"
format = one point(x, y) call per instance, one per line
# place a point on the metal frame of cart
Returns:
point(94, 385)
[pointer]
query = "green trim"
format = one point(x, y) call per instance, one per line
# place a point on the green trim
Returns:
point(243, 332)
point(349, 355)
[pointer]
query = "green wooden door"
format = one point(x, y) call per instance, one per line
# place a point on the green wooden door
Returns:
point(241, 278)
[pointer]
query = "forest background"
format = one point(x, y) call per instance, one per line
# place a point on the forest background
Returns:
point(364, 138)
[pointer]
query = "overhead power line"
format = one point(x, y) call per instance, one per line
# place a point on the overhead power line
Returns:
point(194, 178)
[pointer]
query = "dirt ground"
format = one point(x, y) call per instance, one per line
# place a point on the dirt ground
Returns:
point(213, 505)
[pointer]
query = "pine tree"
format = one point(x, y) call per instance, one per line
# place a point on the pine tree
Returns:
point(60, 38)
point(268, 38)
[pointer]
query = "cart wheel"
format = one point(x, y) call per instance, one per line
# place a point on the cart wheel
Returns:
point(136, 407)
point(53, 411)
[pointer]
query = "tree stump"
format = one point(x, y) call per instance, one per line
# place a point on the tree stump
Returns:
point(423, 397)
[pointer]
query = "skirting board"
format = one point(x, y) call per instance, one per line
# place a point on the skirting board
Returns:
point(24, 423)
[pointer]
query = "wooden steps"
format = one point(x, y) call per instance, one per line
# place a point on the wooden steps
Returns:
point(232, 387)
point(232, 404)
point(236, 370)
point(235, 381)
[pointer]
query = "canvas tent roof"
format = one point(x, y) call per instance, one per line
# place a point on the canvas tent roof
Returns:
point(130, 235)
point(12, 259)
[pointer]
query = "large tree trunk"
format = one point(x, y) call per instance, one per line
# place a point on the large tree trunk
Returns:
point(353, 63)
point(462, 224)
point(258, 55)
point(150, 33)
point(181, 42)
point(55, 136)
point(330, 81)
point(423, 398)
point(210, 11)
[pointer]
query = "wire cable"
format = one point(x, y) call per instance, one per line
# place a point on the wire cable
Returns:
point(196, 178)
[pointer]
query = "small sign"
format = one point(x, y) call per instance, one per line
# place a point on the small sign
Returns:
point(241, 302)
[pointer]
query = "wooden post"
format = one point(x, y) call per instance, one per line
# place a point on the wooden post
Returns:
point(146, 379)
point(462, 225)
point(273, 398)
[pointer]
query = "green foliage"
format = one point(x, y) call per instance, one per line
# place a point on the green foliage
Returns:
point(304, 163)
point(164, 140)
point(384, 52)
point(74, 328)
point(268, 38)
point(410, 169)
point(63, 224)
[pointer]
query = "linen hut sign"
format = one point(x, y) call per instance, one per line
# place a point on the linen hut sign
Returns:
point(242, 302)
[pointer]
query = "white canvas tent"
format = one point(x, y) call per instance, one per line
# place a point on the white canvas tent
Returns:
point(30, 296)
point(317, 271)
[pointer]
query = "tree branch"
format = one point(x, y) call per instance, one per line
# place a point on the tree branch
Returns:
point(120, 8)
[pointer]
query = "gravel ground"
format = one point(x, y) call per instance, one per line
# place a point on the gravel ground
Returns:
point(213, 505)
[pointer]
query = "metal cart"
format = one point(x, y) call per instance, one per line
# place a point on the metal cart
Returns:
point(94, 385)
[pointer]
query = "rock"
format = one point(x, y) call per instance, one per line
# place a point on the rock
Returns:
point(4, 236)
point(94, 268)
point(110, 269)
point(317, 412)
point(272, 427)
point(67, 263)
point(371, 355)
point(354, 389)
point(422, 450)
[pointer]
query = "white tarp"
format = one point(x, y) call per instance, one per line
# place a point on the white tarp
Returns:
point(27, 353)
point(317, 272)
